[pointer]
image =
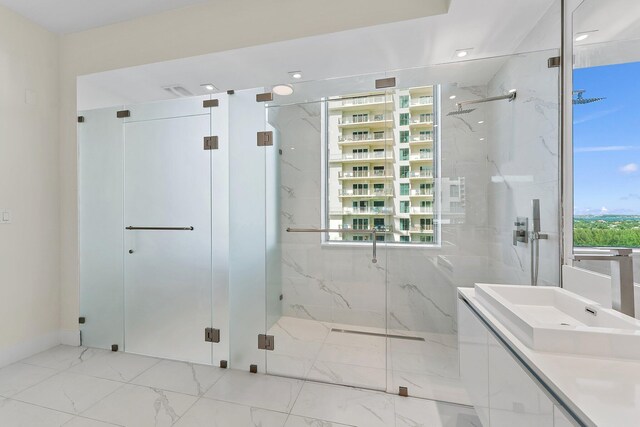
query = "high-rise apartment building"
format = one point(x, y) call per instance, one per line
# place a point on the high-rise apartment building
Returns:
point(382, 166)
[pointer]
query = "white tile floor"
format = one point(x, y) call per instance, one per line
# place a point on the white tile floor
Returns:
point(312, 350)
point(80, 387)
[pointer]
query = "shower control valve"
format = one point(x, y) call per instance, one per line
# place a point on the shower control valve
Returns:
point(520, 234)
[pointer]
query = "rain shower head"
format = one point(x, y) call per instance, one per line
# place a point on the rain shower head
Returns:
point(460, 111)
point(510, 96)
point(579, 99)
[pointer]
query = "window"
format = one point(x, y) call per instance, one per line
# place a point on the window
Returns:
point(606, 165)
point(454, 191)
point(404, 136)
point(369, 180)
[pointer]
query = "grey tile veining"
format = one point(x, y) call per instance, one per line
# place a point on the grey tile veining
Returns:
point(180, 377)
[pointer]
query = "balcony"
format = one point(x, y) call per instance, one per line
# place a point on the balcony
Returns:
point(365, 192)
point(421, 229)
point(374, 174)
point(421, 104)
point(421, 210)
point(421, 139)
point(421, 193)
point(377, 120)
point(364, 211)
point(366, 139)
point(423, 174)
point(379, 228)
point(357, 102)
point(422, 157)
point(359, 157)
point(422, 120)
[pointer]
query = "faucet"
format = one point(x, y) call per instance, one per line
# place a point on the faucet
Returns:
point(622, 287)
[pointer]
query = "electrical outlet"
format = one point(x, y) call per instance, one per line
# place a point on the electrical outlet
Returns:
point(5, 216)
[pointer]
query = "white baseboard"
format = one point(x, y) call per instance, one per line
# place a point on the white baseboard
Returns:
point(16, 352)
point(70, 337)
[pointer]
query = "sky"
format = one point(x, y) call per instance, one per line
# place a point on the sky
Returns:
point(606, 141)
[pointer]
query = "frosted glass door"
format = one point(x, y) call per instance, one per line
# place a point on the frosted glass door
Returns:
point(168, 271)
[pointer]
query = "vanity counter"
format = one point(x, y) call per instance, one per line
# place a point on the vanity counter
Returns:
point(594, 391)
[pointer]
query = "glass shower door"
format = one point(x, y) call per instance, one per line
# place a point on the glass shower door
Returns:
point(168, 294)
point(326, 297)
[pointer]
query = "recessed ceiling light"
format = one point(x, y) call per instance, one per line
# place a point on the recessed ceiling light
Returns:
point(462, 54)
point(452, 97)
point(283, 90)
point(481, 122)
point(208, 86)
point(581, 37)
point(295, 74)
point(481, 139)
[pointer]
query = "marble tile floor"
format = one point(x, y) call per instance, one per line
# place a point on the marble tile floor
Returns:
point(312, 350)
point(84, 387)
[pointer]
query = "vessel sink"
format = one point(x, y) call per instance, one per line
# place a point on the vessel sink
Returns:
point(555, 320)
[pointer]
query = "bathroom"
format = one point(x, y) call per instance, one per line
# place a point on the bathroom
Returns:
point(275, 231)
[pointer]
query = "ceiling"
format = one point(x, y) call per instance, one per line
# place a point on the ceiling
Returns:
point(68, 16)
point(430, 40)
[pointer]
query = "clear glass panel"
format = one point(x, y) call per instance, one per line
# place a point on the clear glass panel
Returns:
point(605, 94)
point(490, 160)
point(330, 325)
point(168, 272)
point(100, 195)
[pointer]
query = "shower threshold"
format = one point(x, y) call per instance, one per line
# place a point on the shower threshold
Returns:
point(375, 334)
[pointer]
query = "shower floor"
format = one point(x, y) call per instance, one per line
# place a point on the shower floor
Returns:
point(426, 363)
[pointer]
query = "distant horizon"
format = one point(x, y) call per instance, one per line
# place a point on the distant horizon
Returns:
point(607, 141)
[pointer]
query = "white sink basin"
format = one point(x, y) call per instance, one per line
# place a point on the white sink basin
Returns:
point(555, 320)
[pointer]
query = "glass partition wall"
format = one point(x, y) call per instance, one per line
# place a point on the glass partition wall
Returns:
point(340, 239)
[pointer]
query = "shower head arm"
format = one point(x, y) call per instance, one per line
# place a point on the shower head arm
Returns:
point(510, 96)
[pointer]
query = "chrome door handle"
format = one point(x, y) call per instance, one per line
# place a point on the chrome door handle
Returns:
point(373, 232)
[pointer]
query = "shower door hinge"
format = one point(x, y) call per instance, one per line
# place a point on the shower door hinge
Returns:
point(384, 83)
point(211, 142)
point(208, 103)
point(264, 97)
point(80, 119)
point(123, 113)
point(266, 342)
point(553, 62)
point(212, 335)
point(265, 139)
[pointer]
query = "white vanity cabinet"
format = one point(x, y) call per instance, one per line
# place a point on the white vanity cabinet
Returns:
point(502, 392)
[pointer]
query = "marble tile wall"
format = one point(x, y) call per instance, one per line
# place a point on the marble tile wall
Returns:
point(523, 165)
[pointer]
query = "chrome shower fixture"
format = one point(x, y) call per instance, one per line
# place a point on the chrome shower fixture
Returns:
point(510, 96)
point(579, 99)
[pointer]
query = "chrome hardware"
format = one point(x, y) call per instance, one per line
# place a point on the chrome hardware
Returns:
point(212, 335)
point(266, 342)
point(373, 232)
point(210, 142)
point(161, 228)
point(265, 139)
point(520, 233)
point(622, 287)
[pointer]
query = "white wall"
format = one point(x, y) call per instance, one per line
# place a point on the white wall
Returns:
point(29, 246)
point(197, 30)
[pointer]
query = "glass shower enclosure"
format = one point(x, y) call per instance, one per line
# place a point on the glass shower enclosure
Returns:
point(331, 228)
